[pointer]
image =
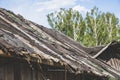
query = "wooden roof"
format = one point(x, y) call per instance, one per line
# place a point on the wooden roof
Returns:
point(112, 50)
point(24, 39)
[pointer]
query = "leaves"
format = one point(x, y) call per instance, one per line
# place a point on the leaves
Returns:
point(97, 28)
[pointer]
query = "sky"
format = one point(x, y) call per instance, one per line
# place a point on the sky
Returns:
point(36, 10)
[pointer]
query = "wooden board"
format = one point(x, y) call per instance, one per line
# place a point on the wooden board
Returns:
point(9, 72)
point(1, 73)
point(25, 72)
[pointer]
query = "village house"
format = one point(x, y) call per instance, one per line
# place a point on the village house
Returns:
point(29, 51)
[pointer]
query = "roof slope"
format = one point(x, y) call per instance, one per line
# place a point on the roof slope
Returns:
point(20, 38)
point(113, 47)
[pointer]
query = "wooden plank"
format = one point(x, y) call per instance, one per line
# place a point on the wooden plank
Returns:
point(9, 72)
point(25, 72)
point(17, 70)
point(2, 73)
point(55, 75)
point(115, 63)
point(1, 52)
point(35, 74)
point(40, 76)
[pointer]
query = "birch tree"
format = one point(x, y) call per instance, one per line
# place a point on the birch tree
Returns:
point(96, 28)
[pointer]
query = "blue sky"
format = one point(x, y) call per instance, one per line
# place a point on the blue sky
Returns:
point(36, 10)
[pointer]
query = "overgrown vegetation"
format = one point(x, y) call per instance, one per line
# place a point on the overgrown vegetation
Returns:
point(96, 28)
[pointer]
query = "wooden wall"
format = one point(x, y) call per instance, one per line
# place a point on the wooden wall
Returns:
point(115, 63)
point(17, 70)
point(6, 72)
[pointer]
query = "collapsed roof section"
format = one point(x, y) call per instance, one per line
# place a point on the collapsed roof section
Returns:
point(110, 54)
point(112, 50)
point(27, 40)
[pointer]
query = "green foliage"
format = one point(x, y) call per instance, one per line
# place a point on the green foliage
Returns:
point(97, 28)
point(67, 21)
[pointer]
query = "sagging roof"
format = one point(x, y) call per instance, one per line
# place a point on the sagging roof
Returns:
point(112, 50)
point(25, 39)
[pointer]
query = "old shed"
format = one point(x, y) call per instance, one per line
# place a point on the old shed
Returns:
point(110, 54)
point(29, 51)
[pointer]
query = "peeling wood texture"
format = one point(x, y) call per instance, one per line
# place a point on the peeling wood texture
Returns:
point(22, 40)
point(110, 54)
point(114, 63)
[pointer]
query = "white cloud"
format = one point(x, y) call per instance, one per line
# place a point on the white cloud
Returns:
point(85, 0)
point(80, 8)
point(38, 9)
point(54, 4)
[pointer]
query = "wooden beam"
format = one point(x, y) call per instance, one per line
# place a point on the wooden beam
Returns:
point(1, 52)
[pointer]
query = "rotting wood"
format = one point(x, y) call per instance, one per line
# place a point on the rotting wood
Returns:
point(18, 35)
point(1, 52)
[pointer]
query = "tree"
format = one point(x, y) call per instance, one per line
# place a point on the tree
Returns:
point(97, 28)
point(102, 27)
point(69, 22)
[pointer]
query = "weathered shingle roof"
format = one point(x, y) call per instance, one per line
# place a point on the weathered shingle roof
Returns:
point(22, 38)
point(113, 47)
